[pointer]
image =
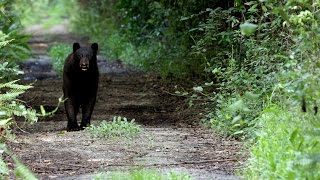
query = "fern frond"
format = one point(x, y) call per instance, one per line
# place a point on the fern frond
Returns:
point(4, 43)
point(10, 95)
point(18, 109)
point(13, 85)
point(22, 171)
point(31, 115)
point(3, 168)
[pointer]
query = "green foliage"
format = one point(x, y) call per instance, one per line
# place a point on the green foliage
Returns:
point(13, 44)
point(14, 48)
point(236, 116)
point(248, 29)
point(48, 12)
point(259, 59)
point(11, 106)
point(120, 127)
point(21, 171)
point(4, 171)
point(9, 71)
point(58, 54)
point(148, 34)
point(287, 146)
point(288, 139)
point(11, 50)
point(243, 67)
point(234, 45)
point(142, 174)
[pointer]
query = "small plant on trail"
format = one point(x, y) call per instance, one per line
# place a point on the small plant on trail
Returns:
point(142, 174)
point(58, 53)
point(119, 127)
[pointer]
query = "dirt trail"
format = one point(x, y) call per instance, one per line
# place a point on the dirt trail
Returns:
point(171, 137)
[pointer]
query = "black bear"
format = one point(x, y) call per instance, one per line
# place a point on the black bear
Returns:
point(80, 84)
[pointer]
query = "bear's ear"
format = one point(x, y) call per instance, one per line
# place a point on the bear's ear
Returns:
point(76, 46)
point(94, 46)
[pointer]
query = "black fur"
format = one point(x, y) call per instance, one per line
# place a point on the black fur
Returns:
point(80, 84)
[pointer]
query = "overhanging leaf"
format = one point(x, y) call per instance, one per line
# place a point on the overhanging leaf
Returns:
point(248, 29)
point(198, 88)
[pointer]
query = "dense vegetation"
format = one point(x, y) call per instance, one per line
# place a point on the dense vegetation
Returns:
point(258, 61)
point(13, 49)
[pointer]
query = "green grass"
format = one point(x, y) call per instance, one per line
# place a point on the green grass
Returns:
point(142, 174)
point(288, 146)
point(58, 54)
point(119, 127)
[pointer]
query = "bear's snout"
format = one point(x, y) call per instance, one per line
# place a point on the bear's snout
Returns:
point(84, 64)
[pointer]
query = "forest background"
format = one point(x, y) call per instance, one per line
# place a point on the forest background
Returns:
point(254, 66)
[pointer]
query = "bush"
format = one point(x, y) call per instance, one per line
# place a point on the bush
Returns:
point(241, 59)
point(287, 146)
point(58, 54)
point(11, 106)
point(14, 47)
point(150, 35)
point(288, 140)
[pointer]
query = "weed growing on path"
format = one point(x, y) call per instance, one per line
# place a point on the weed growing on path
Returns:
point(119, 127)
point(142, 174)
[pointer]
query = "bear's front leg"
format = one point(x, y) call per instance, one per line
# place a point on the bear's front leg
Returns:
point(87, 109)
point(72, 110)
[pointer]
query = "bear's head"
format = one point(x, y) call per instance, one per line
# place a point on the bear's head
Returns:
point(85, 58)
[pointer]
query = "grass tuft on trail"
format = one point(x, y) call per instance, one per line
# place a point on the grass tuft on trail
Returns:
point(119, 127)
point(142, 174)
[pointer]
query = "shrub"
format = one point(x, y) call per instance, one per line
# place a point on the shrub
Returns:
point(241, 59)
point(58, 54)
point(287, 146)
point(287, 141)
point(14, 47)
point(148, 34)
